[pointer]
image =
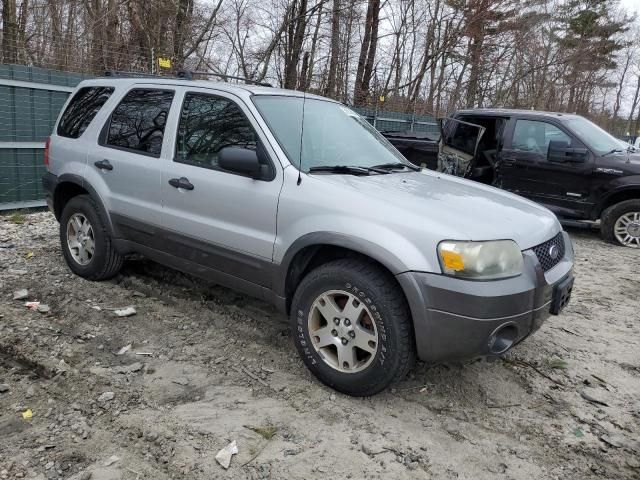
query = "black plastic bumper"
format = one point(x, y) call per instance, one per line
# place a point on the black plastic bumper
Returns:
point(49, 184)
point(458, 319)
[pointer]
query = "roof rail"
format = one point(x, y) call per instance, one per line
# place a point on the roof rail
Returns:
point(121, 73)
point(183, 74)
point(189, 76)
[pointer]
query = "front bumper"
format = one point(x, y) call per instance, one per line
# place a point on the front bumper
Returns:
point(458, 319)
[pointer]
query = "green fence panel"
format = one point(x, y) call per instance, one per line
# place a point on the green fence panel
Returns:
point(27, 114)
point(20, 172)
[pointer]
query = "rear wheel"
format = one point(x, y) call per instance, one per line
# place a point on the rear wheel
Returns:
point(352, 327)
point(621, 224)
point(85, 240)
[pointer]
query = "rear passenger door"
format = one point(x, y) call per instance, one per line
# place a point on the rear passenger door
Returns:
point(224, 221)
point(126, 164)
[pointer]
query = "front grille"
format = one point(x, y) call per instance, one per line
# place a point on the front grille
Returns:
point(544, 250)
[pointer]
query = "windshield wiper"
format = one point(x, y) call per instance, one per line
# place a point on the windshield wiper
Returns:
point(396, 165)
point(614, 150)
point(351, 169)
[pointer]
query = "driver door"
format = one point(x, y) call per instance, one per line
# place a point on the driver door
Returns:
point(215, 218)
point(458, 146)
point(525, 167)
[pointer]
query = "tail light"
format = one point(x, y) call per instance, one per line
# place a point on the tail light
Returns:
point(46, 151)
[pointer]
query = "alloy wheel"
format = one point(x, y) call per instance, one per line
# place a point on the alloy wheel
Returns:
point(627, 229)
point(80, 239)
point(343, 331)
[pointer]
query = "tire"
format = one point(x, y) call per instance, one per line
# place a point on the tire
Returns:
point(384, 317)
point(105, 262)
point(615, 216)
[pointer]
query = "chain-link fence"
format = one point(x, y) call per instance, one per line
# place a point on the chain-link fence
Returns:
point(38, 70)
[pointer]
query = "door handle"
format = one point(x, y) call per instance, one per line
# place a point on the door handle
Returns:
point(104, 165)
point(508, 161)
point(181, 182)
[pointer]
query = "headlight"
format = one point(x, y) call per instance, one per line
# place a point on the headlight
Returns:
point(480, 260)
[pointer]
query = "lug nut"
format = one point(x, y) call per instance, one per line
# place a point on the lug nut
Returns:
point(336, 321)
point(347, 322)
point(352, 334)
point(344, 341)
point(334, 333)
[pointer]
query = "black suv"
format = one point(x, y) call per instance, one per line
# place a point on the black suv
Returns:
point(563, 161)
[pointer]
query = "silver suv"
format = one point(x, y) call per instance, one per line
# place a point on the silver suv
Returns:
point(297, 200)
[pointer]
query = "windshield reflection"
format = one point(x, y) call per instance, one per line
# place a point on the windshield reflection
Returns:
point(332, 134)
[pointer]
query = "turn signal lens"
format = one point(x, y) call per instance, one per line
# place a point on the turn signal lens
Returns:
point(452, 260)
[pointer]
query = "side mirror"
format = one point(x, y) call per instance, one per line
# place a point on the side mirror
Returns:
point(560, 151)
point(243, 161)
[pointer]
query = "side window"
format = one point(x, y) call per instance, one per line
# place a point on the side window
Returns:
point(138, 121)
point(534, 136)
point(459, 135)
point(84, 106)
point(207, 124)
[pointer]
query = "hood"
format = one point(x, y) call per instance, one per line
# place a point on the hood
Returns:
point(456, 206)
point(625, 163)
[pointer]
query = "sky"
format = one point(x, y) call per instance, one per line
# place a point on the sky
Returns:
point(631, 5)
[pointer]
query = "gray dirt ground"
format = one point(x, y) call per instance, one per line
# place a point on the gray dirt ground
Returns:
point(221, 366)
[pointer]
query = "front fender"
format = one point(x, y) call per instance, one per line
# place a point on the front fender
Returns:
point(615, 187)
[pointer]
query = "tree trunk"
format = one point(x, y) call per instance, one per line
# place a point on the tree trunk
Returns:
point(184, 8)
point(332, 76)
point(10, 32)
point(296, 38)
point(367, 53)
point(475, 55)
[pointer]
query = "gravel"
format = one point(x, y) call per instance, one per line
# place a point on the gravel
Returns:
point(167, 413)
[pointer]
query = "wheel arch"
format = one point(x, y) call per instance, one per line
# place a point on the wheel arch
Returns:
point(631, 192)
point(315, 249)
point(70, 186)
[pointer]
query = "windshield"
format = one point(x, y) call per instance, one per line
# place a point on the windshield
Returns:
point(333, 134)
point(593, 135)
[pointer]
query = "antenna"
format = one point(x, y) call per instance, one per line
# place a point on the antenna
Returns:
point(304, 100)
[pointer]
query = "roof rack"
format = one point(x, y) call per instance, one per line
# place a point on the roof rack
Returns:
point(183, 74)
point(121, 73)
point(187, 74)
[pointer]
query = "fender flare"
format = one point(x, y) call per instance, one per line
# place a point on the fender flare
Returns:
point(78, 180)
point(365, 247)
point(624, 187)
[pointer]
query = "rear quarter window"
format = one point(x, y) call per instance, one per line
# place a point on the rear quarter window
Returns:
point(84, 106)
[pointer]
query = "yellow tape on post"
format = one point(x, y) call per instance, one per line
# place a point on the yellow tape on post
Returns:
point(164, 62)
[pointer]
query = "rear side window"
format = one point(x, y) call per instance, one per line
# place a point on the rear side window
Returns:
point(138, 121)
point(460, 135)
point(84, 106)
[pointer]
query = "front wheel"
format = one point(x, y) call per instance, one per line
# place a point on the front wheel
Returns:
point(621, 224)
point(353, 327)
